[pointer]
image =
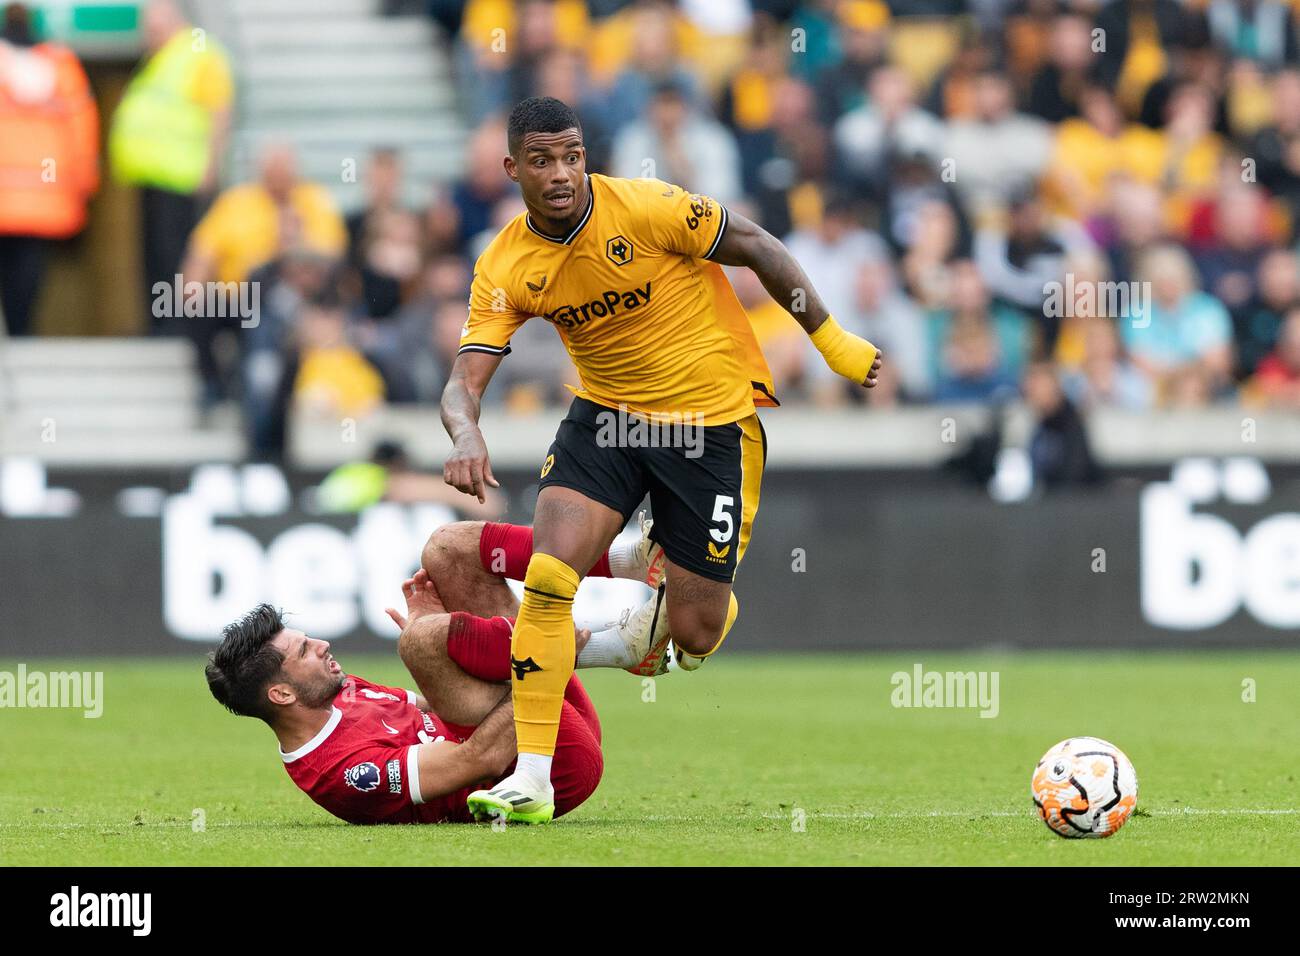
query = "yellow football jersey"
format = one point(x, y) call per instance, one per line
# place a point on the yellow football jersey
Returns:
point(649, 322)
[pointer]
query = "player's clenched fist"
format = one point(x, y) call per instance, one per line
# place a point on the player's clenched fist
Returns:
point(468, 468)
point(874, 375)
point(847, 354)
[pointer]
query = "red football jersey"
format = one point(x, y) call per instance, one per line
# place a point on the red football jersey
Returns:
point(362, 767)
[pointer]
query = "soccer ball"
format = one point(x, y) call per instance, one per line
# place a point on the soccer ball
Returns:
point(1084, 787)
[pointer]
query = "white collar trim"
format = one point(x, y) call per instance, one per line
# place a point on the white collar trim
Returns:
point(335, 716)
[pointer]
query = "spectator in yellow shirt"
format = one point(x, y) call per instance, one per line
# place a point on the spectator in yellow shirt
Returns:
point(1192, 153)
point(334, 379)
point(1090, 150)
point(248, 226)
point(242, 229)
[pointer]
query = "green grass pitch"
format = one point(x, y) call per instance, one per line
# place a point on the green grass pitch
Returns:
point(718, 768)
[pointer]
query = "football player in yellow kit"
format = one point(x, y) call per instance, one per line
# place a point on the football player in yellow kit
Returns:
point(629, 273)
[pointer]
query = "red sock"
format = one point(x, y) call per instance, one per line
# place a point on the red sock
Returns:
point(505, 549)
point(480, 645)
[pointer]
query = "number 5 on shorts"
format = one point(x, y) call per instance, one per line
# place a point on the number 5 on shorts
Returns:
point(721, 516)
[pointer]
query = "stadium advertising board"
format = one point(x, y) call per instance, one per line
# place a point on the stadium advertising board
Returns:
point(1205, 555)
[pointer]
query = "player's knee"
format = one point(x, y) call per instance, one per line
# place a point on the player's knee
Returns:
point(423, 641)
point(450, 546)
point(700, 641)
point(696, 629)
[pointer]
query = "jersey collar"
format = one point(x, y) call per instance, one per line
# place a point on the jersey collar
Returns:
point(335, 716)
point(573, 234)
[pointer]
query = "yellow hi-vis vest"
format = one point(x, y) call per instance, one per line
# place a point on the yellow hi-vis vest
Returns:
point(160, 136)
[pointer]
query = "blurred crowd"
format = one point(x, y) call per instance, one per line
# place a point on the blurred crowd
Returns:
point(1082, 203)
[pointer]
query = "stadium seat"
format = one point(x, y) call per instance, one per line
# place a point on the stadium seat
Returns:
point(337, 78)
point(99, 402)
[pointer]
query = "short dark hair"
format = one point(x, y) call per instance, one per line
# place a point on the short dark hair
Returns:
point(538, 114)
point(246, 663)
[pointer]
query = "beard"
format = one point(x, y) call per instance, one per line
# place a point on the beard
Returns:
point(319, 691)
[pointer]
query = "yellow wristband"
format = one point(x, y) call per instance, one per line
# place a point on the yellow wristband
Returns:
point(846, 354)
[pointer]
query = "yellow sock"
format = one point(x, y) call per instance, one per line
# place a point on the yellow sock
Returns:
point(541, 652)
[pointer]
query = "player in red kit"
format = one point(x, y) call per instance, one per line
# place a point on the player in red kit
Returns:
point(381, 757)
point(369, 753)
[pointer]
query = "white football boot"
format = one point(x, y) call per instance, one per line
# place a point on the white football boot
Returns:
point(648, 556)
point(647, 630)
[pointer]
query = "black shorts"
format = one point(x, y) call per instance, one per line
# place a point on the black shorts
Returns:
point(703, 481)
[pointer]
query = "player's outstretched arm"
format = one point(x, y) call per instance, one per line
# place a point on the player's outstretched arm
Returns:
point(446, 767)
point(747, 244)
point(468, 469)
